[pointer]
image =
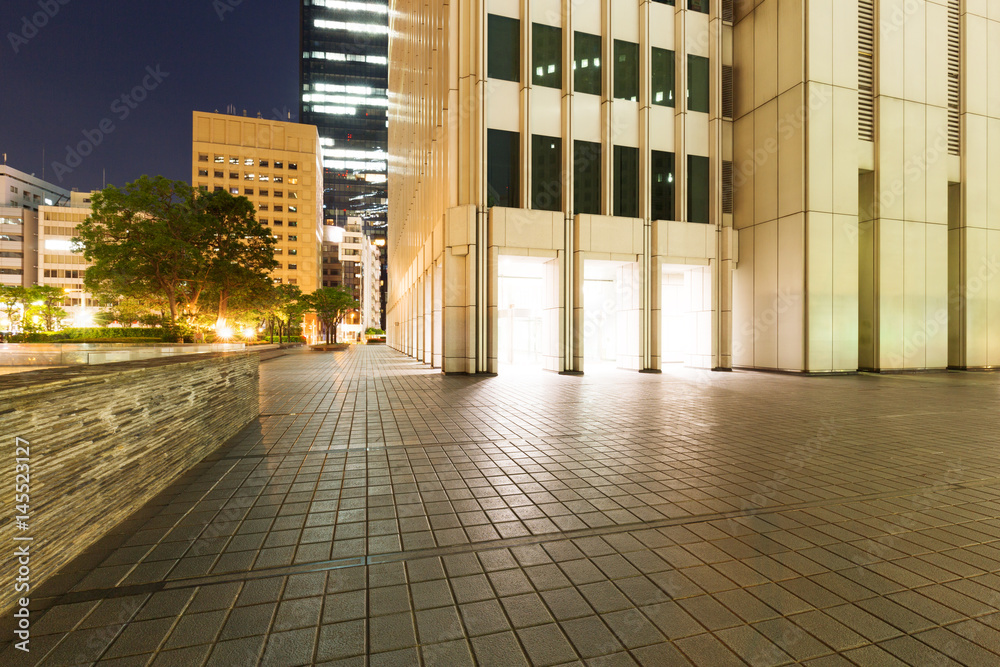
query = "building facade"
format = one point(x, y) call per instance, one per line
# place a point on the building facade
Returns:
point(361, 259)
point(796, 186)
point(21, 197)
point(343, 82)
point(276, 165)
point(58, 265)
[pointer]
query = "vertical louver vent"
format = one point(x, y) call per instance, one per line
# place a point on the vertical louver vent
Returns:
point(727, 91)
point(727, 11)
point(954, 77)
point(727, 187)
point(866, 70)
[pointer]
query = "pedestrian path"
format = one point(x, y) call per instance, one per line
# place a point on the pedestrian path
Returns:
point(380, 513)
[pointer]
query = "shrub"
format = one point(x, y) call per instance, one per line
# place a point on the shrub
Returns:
point(95, 333)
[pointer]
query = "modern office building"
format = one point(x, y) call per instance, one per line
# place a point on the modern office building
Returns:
point(360, 257)
point(21, 197)
point(58, 265)
point(333, 270)
point(276, 165)
point(343, 77)
point(795, 186)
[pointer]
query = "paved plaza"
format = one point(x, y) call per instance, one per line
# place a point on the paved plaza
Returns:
point(379, 513)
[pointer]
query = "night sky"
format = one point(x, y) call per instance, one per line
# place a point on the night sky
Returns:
point(71, 76)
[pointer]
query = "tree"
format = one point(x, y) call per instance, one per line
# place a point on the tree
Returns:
point(145, 239)
point(241, 250)
point(330, 305)
point(12, 298)
point(46, 301)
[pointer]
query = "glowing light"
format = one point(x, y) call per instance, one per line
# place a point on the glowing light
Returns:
point(352, 27)
point(223, 331)
point(249, 333)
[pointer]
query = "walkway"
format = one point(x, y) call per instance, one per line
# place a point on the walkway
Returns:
point(380, 513)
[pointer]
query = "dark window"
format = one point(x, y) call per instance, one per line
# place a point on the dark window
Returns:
point(626, 181)
point(698, 6)
point(504, 48)
point(663, 77)
point(665, 2)
point(587, 63)
point(698, 84)
point(546, 55)
point(586, 177)
point(503, 158)
point(626, 70)
point(546, 176)
point(662, 186)
point(697, 188)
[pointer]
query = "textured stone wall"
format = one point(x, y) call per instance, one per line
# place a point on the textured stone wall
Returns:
point(106, 439)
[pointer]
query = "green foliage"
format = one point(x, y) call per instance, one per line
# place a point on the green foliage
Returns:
point(93, 333)
point(12, 301)
point(372, 331)
point(46, 302)
point(330, 305)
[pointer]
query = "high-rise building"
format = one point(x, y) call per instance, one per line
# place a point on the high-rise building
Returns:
point(343, 77)
point(795, 186)
point(276, 165)
point(58, 264)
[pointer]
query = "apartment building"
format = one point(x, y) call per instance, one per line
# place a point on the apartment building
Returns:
point(276, 165)
point(793, 186)
point(58, 264)
point(21, 197)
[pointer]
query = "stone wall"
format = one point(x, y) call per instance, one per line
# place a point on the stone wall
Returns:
point(106, 439)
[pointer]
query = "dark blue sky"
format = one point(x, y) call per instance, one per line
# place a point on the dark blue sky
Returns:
point(62, 82)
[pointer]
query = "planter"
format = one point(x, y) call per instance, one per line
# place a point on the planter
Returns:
point(324, 347)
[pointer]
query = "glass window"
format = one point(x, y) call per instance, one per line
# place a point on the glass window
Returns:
point(698, 6)
point(293, 238)
point(587, 63)
point(234, 191)
point(279, 193)
point(626, 181)
point(626, 70)
point(293, 209)
point(546, 54)
point(219, 188)
point(234, 175)
point(248, 162)
point(278, 164)
point(248, 191)
point(278, 207)
point(219, 174)
point(292, 166)
point(292, 267)
point(264, 178)
point(586, 177)
point(504, 48)
point(277, 179)
point(203, 172)
point(219, 159)
point(698, 84)
point(697, 188)
point(292, 194)
point(503, 159)
point(665, 2)
point(234, 160)
point(263, 163)
point(277, 223)
point(662, 186)
point(263, 207)
point(293, 223)
point(248, 177)
point(663, 77)
point(293, 251)
point(203, 157)
point(546, 176)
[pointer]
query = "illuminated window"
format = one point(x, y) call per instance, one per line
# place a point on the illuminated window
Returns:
point(219, 159)
point(293, 181)
point(293, 251)
point(234, 160)
point(248, 162)
point(504, 48)
point(587, 63)
point(546, 55)
point(278, 179)
point(663, 77)
point(234, 191)
point(278, 164)
point(249, 177)
point(264, 178)
point(293, 209)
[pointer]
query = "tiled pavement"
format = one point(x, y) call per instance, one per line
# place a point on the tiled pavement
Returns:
point(380, 513)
